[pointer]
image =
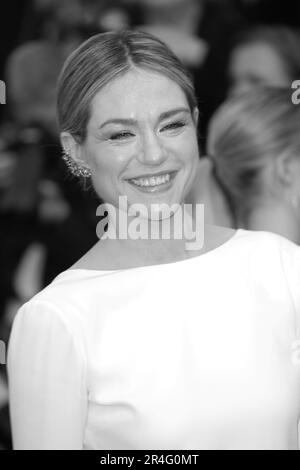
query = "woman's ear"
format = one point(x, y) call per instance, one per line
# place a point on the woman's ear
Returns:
point(73, 148)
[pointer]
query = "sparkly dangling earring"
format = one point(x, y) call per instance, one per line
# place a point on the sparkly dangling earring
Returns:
point(75, 168)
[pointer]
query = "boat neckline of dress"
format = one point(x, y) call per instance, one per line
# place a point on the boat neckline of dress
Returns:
point(224, 245)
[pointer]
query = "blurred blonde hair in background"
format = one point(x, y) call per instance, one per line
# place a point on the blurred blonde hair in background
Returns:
point(246, 137)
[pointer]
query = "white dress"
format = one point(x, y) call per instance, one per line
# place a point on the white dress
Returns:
point(202, 353)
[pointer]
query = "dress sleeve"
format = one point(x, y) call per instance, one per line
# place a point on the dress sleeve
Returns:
point(47, 384)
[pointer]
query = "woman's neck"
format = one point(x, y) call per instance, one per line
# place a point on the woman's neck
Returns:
point(276, 218)
point(185, 16)
point(111, 253)
point(173, 238)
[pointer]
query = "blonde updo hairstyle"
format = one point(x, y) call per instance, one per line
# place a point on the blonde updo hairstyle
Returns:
point(246, 135)
point(105, 57)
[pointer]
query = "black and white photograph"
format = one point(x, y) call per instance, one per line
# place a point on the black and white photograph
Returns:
point(150, 228)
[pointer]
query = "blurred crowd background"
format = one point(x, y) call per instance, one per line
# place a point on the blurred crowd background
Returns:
point(47, 217)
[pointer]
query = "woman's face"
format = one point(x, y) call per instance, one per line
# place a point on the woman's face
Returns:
point(141, 141)
point(257, 62)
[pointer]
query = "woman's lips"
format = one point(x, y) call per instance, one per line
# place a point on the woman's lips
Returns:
point(153, 183)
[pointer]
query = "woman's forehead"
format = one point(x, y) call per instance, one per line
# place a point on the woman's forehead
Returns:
point(138, 92)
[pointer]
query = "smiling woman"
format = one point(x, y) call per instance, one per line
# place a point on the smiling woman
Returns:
point(154, 137)
point(134, 125)
point(144, 344)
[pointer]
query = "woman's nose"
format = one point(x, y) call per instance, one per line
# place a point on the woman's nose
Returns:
point(152, 152)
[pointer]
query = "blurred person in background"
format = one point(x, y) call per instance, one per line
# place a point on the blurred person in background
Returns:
point(263, 55)
point(254, 141)
point(267, 55)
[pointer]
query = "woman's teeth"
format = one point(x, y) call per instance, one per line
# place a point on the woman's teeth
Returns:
point(152, 181)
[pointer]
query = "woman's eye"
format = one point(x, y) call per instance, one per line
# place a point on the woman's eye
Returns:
point(174, 126)
point(121, 135)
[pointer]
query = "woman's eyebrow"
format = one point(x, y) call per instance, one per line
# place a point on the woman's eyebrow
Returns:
point(132, 122)
point(173, 112)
